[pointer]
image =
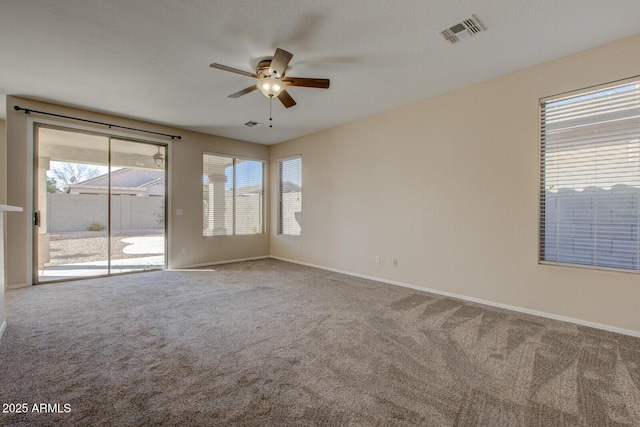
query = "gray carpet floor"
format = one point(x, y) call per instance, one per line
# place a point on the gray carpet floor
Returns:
point(265, 343)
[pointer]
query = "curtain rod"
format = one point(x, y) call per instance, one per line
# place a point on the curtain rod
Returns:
point(29, 111)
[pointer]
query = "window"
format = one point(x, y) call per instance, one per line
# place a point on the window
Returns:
point(590, 177)
point(232, 196)
point(290, 193)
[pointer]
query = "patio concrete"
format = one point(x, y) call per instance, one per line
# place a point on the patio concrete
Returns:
point(144, 245)
point(98, 268)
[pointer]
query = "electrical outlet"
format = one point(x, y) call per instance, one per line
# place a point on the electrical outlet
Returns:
point(377, 259)
point(395, 262)
point(299, 248)
point(184, 251)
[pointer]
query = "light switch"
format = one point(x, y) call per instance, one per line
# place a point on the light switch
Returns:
point(179, 212)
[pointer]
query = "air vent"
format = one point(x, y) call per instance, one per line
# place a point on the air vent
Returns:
point(252, 124)
point(462, 30)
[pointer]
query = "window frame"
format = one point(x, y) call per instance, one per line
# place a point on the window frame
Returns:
point(543, 166)
point(262, 213)
point(280, 195)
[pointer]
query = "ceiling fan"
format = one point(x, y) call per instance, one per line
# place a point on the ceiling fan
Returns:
point(270, 74)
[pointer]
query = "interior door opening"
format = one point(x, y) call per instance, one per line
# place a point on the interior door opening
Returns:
point(100, 205)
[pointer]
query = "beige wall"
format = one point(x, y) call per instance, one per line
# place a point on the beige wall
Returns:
point(449, 187)
point(3, 316)
point(3, 162)
point(185, 182)
point(3, 158)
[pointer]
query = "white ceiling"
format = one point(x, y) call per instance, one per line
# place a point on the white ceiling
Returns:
point(149, 59)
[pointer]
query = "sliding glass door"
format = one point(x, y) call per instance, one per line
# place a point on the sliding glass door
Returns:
point(137, 219)
point(100, 205)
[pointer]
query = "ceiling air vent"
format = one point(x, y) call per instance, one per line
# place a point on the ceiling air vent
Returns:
point(252, 124)
point(462, 30)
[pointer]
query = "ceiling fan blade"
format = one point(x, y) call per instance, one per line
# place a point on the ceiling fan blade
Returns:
point(286, 99)
point(305, 82)
point(243, 92)
point(233, 70)
point(279, 62)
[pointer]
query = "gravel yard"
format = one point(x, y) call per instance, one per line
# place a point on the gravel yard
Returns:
point(89, 246)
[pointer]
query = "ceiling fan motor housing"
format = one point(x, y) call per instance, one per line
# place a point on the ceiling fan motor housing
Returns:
point(262, 70)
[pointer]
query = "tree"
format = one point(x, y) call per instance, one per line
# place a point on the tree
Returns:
point(67, 174)
point(52, 185)
point(160, 214)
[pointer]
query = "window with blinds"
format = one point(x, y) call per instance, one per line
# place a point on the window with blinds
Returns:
point(590, 177)
point(232, 196)
point(290, 196)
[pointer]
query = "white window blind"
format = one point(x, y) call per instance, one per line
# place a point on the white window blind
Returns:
point(590, 177)
point(249, 197)
point(232, 196)
point(290, 196)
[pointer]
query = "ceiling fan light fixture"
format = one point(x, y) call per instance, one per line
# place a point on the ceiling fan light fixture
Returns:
point(270, 86)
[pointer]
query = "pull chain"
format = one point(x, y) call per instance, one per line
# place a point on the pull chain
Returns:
point(270, 118)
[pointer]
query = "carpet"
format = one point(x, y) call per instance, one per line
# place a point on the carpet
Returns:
point(270, 343)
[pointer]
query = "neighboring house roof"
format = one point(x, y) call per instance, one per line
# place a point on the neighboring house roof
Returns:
point(152, 183)
point(290, 187)
point(253, 189)
point(125, 177)
point(126, 180)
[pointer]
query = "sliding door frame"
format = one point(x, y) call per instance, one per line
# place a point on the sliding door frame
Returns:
point(32, 167)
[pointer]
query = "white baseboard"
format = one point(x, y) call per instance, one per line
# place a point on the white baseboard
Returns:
point(207, 264)
point(476, 300)
point(2, 328)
